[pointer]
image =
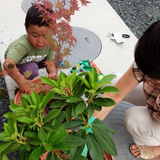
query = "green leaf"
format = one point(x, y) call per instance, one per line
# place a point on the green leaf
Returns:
point(7, 130)
point(58, 96)
point(46, 99)
point(81, 90)
point(106, 102)
point(105, 141)
point(80, 157)
point(85, 82)
point(91, 77)
point(98, 108)
point(61, 117)
point(36, 153)
point(68, 114)
point(35, 98)
point(72, 77)
point(40, 96)
point(29, 98)
point(99, 124)
point(42, 135)
point(94, 73)
point(75, 153)
point(32, 106)
point(108, 78)
point(52, 114)
point(80, 108)
point(5, 157)
point(61, 76)
point(74, 141)
point(91, 108)
point(108, 89)
point(16, 108)
point(12, 101)
point(105, 80)
point(24, 102)
point(31, 134)
point(49, 128)
point(3, 135)
point(11, 148)
point(49, 81)
point(48, 147)
point(28, 147)
point(58, 91)
point(62, 146)
point(58, 137)
point(73, 124)
point(10, 125)
point(35, 141)
point(58, 104)
point(73, 99)
point(4, 146)
point(95, 150)
point(7, 115)
point(76, 81)
point(76, 87)
point(25, 119)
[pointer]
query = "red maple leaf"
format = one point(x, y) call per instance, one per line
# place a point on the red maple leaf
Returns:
point(59, 4)
point(84, 2)
point(66, 52)
point(74, 4)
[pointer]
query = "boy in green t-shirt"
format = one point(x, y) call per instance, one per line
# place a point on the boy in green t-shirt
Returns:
point(30, 52)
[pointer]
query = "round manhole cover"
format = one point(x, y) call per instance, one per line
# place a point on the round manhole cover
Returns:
point(88, 46)
point(26, 4)
point(122, 138)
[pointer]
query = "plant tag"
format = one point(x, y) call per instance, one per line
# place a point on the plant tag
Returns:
point(117, 37)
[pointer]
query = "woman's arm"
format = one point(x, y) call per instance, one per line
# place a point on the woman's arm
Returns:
point(125, 84)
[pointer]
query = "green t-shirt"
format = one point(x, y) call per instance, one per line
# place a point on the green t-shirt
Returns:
point(21, 51)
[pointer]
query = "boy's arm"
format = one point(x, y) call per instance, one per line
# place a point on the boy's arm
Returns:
point(126, 83)
point(24, 85)
point(51, 69)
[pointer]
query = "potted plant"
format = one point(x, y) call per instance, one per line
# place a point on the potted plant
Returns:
point(78, 96)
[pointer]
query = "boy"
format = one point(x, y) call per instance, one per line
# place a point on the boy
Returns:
point(29, 53)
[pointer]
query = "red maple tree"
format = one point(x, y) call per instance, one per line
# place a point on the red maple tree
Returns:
point(61, 38)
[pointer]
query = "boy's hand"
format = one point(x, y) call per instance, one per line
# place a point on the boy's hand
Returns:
point(52, 75)
point(26, 86)
point(51, 69)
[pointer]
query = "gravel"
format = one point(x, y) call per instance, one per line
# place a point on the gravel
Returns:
point(138, 15)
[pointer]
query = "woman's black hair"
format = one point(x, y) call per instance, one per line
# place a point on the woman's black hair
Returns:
point(147, 51)
point(35, 17)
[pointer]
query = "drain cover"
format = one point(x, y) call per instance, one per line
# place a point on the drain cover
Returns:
point(88, 46)
point(122, 138)
point(26, 4)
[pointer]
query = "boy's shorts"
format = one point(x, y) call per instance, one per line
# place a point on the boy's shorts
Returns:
point(30, 69)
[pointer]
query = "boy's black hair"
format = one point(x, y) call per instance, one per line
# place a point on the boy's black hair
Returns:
point(147, 51)
point(34, 17)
